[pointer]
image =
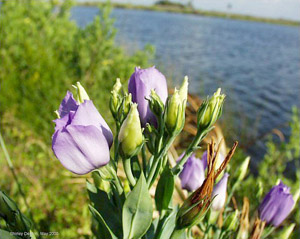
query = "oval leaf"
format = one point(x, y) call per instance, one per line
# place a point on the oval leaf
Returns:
point(164, 190)
point(137, 211)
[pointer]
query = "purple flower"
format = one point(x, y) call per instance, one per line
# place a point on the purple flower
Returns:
point(276, 205)
point(193, 173)
point(82, 138)
point(219, 193)
point(141, 82)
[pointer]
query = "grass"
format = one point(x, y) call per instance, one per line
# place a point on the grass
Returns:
point(175, 8)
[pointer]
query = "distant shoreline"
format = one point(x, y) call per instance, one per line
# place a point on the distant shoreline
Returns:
point(188, 10)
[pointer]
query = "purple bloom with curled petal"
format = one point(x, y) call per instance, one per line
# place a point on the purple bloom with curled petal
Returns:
point(276, 205)
point(141, 82)
point(82, 138)
point(219, 193)
point(193, 173)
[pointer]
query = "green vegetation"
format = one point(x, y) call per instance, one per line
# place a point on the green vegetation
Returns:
point(179, 8)
point(42, 53)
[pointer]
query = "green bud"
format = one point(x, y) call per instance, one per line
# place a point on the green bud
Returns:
point(116, 98)
point(210, 110)
point(175, 113)
point(81, 93)
point(260, 189)
point(242, 170)
point(130, 136)
point(286, 232)
point(231, 222)
point(155, 104)
point(126, 104)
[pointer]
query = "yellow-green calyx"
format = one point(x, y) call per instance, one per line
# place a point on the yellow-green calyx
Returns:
point(130, 136)
point(175, 115)
point(81, 93)
point(211, 110)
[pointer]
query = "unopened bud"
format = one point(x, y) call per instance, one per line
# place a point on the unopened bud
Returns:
point(175, 115)
point(243, 169)
point(130, 136)
point(116, 98)
point(155, 104)
point(126, 104)
point(210, 110)
point(81, 93)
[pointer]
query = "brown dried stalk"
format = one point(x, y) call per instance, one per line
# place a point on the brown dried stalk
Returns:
point(205, 191)
point(258, 229)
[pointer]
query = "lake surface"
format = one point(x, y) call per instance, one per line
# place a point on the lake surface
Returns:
point(256, 64)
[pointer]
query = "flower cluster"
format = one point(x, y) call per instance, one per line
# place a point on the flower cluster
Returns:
point(147, 122)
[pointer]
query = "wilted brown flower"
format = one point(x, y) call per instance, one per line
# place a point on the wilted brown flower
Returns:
point(195, 207)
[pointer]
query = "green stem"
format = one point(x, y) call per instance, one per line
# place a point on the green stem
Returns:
point(198, 138)
point(128, 172)
point(12, 169)
point(144, 160)
point(116, 146)
point(151, 177)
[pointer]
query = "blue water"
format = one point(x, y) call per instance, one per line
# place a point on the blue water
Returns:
point(256, 64)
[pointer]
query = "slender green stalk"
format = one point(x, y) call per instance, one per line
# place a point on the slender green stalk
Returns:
point(198, 138)
point(128, 171)
point(144, 159)
point(12, 169)
point(154, 167)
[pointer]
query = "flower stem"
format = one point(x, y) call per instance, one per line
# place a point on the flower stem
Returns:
point(128, 171)
point(198, 138)
point(154, 167)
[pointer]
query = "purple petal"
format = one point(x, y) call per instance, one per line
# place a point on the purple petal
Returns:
point(81, 149)
point(219, 193)
point(276, 205)
point(87, 114)
point(140, 84)
point(68, 104)
point(193, 174)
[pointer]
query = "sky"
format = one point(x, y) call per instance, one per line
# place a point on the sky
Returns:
point(286, 9)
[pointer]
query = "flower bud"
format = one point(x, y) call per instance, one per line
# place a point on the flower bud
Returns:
point(130, 136)
point(81, 93)
point(242, 170)
point(286, 232)
point(276, 205)
point(219, 193)
point(126, 104)
point(210, 110)
point(231, 222)
point(193, 173)
point(175, 113)
point(116, 98)
point(155, 103)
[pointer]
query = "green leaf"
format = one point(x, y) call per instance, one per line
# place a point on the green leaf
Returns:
point(106, 232)
point(106, 208)
point(137, 211)
point(164, 190)
point(167, 225)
